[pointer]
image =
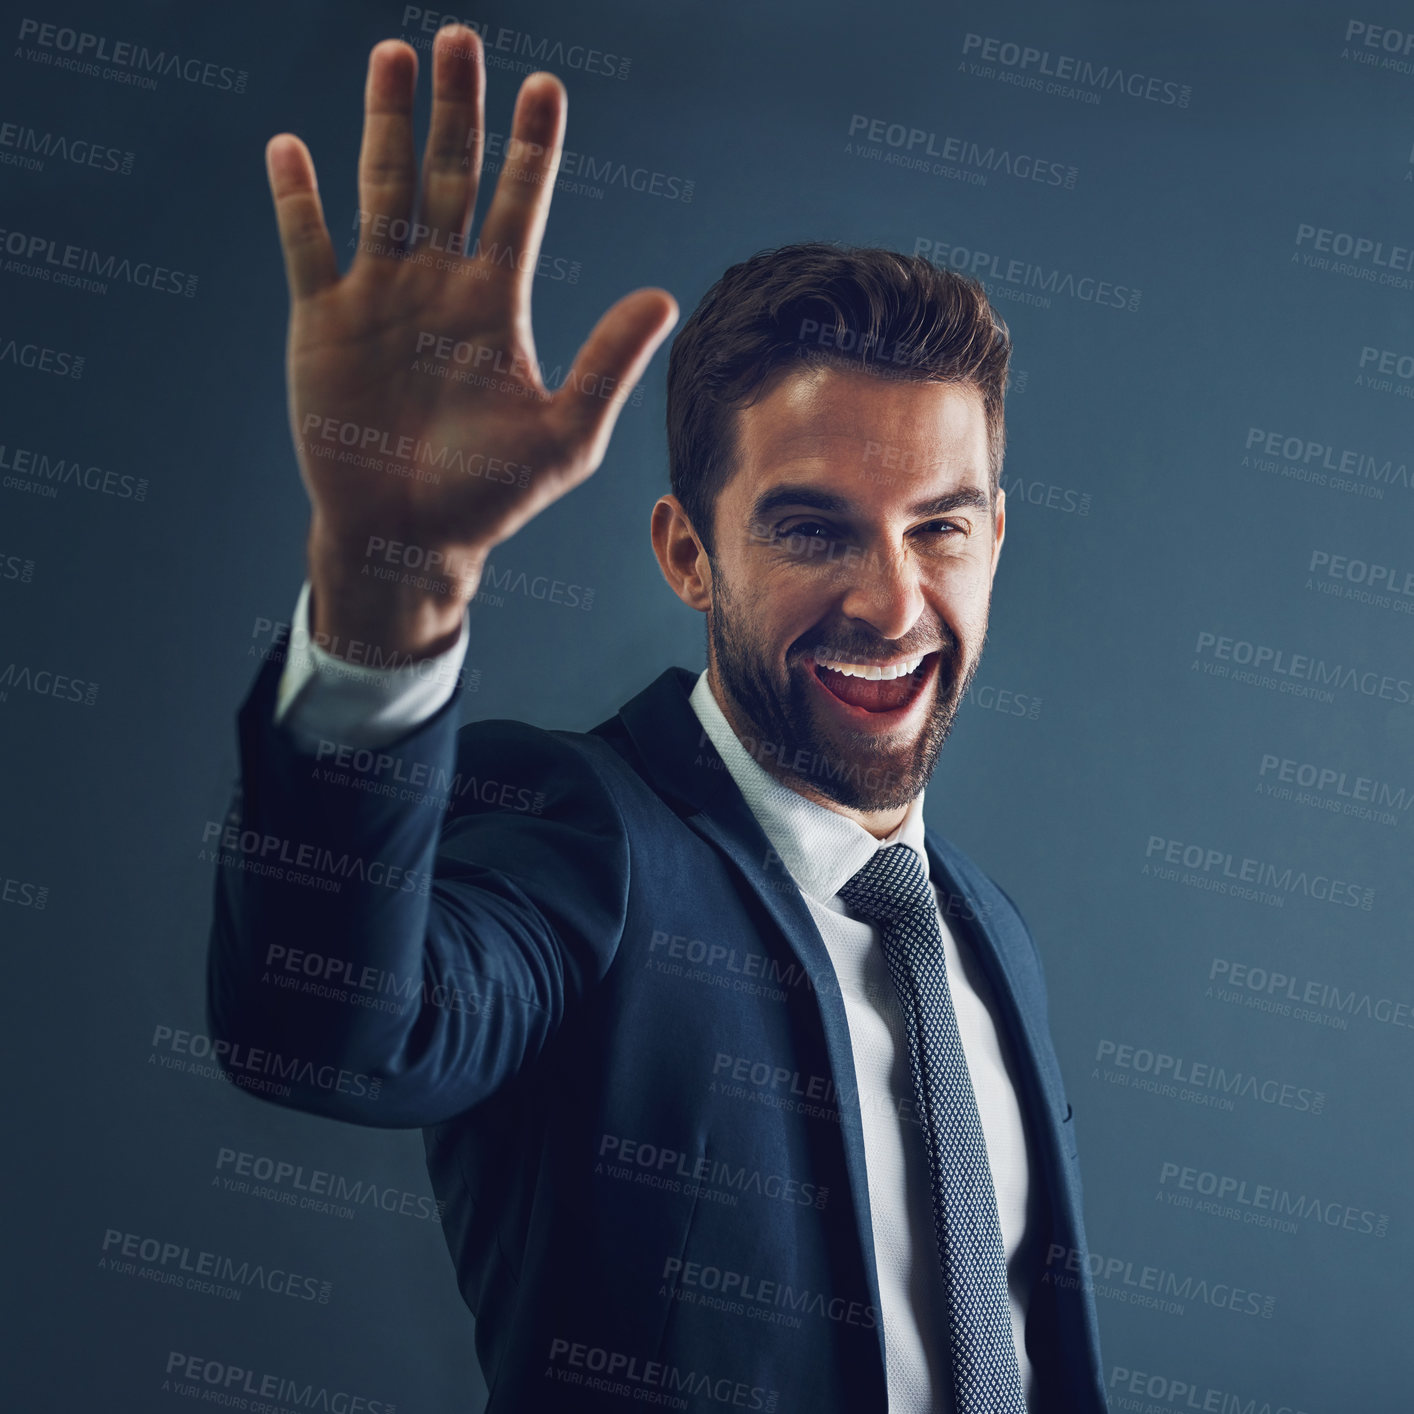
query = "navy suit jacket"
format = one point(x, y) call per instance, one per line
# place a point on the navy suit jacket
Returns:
point(574, 960)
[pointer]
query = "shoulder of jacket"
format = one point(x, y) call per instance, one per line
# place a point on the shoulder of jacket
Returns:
point(565, 759)
point(995, 907)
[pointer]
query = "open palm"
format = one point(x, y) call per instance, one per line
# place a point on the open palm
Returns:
point(395, 438)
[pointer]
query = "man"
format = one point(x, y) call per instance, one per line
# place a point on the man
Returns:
point(736, 1081)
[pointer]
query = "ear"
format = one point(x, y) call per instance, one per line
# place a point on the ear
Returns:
point(680, 554)
point(998, 527)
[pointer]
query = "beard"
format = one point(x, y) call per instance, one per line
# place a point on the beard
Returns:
point(855, 769)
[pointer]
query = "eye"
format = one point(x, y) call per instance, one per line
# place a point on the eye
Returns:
point(942, 527)
point(807, 529)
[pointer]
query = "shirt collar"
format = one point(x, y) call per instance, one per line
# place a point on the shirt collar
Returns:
point(820, 848)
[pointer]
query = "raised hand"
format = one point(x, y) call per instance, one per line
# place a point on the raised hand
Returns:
point(388, 450)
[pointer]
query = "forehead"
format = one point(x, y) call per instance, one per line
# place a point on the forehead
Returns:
point(844, 427)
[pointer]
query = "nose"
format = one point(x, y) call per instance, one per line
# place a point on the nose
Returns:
point(884, 590)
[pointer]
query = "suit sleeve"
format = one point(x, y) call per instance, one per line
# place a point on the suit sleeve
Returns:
point(399, 931)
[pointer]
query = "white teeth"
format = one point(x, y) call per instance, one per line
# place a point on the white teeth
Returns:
point(872, 671)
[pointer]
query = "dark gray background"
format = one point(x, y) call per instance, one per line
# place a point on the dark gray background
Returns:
point(1141, 415)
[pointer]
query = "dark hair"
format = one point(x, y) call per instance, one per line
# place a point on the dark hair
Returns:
point(817, 303)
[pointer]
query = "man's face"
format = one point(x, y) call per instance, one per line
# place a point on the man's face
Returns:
point(855, 545)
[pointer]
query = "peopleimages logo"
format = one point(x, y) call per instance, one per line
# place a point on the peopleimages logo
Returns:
point(23, 894)
point(176, 1264)
point(502, 41)
point(1189, 1394)
point(1265, 665)
point(1140, 1284)
point(664, 1166)
point(633, 1376)
point(762, 1298)
point(41, 358)
point(223, 1383)
point(1264, 1204)
point(1360, 248)
point(1387, 370)
point(1388, 361)
point(27, 147)
point(1396, 580)
point(925, 150)
point(64, 47)
point(583, 173)
point(44, 682)
point(1309, 459)
point(17, 567)
point(1225, 871)
point(317, 1190)
point(403, 454)
point(1028, 67)
point(1355, 255)
point(251, 1067)
point(1379, 46)
point(43, 258)
point(307, 862)
point(1024, 281)
point(1332, 788)
point(1209, 1075)
point(41, 473)
point(1266, 989)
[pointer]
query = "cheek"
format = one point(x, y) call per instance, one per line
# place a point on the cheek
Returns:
point(788, 592)
point(960, 598)
point(797, 611)
point(951, 575)
point(969, 592)
point(766, 617)
point(969, 610)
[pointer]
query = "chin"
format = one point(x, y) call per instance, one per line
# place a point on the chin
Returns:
point(869, 768)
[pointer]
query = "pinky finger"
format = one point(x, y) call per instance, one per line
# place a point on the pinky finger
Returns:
point(310, 264)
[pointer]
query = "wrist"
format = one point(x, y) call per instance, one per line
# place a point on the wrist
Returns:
point(398, 599)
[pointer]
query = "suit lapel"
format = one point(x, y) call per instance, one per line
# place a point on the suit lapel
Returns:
point(1004, 955)
point(686, 769)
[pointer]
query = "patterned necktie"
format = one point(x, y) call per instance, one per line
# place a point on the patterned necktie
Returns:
point(893, 892)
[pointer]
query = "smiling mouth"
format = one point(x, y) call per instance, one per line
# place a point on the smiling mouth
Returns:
point(875, 687)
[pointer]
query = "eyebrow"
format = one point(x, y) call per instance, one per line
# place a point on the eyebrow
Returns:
point(815, 499)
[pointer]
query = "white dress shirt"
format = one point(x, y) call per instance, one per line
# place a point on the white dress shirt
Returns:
point(323, 697)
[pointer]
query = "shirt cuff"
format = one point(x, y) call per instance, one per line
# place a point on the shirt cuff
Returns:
point(325, 698)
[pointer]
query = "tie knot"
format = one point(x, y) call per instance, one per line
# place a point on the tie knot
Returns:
point(891, 889)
